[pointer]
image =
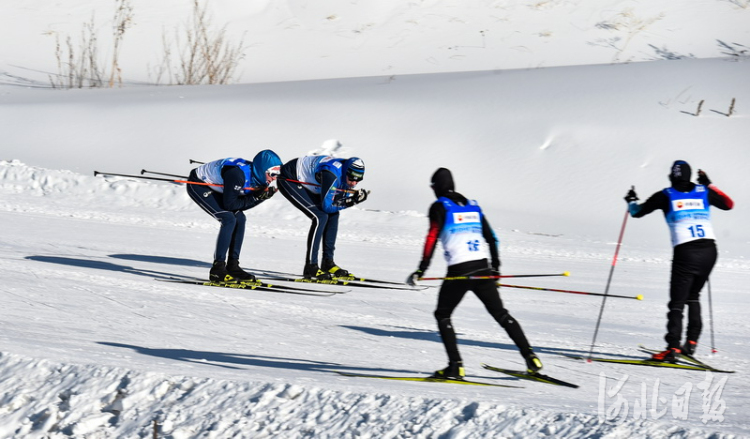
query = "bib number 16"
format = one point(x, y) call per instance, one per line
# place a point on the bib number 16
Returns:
point(473, 245)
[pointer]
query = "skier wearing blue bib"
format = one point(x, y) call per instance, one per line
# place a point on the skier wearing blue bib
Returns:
point(686, 210)
point(321, 186)
point(224, 189)
point(467, 240)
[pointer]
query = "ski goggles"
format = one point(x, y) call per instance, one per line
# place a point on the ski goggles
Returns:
point(355, 176)
point(274, 171)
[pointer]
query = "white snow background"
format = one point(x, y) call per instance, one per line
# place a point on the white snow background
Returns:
point(546, 112)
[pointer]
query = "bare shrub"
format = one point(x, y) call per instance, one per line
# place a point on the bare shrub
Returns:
point(123, 20)
point(626, 25)
point(204, 56)
point(81, 68)
point(78, 69)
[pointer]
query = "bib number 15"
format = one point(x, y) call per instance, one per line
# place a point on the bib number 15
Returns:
point(697, 231)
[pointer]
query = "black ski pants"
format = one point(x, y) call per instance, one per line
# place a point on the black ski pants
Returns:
point(324, 227)
point(232, 231)
point(692, 263)
point(450, 295)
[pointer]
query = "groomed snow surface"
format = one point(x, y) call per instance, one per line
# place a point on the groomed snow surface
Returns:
point(95, 345)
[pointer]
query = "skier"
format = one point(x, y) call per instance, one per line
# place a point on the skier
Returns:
point(224, 189)
point(463, 229)
point(686, 209)
point(321, 186)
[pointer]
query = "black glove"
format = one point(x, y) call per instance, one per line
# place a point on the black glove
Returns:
point(414, 277)
point(631, 195)
point(703, 178)
point(266, 194)
point(361, 195)
point(357, 197)
point(495, 268)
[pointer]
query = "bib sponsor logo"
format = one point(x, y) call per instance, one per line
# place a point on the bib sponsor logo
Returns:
point(688, 204)
point(466, 217)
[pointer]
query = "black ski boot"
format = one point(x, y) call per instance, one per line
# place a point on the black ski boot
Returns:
point(312, 271)
point(330, 267)
point(689, 348)
point(454, 371)
point(219, 272)
point(533, 363)
point(237, 273)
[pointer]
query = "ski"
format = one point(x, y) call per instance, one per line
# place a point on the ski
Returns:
point(353, 282)
point(535, 376)
point(424, 379)
point(651, 363)
point(345, 278)
point(259, 283)
point(259, 286)
point(687, 359)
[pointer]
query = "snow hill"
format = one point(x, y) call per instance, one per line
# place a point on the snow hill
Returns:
point(94, 345)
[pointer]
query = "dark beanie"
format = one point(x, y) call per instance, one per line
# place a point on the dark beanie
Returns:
point(442, 182)
point(680, 171)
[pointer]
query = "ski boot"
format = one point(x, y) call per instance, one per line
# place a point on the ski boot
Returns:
point(330, 267)
point(454, 371)
point(219, 272)
point(689, 348)
point(238, 274)
point(533, 363)
point(312, 271)
point(670, 355)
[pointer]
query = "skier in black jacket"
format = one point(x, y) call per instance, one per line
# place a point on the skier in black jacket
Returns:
point(686, 209)
point(466, 237)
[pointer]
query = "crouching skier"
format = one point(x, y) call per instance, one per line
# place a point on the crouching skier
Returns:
point(322, 186)
point(462, 229)
point(225, 188)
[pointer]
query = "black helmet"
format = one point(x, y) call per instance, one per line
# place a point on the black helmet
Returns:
point(680, 171)
point(442, 182)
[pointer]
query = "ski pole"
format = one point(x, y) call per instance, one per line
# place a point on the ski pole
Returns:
point(143, 171)
point(350, 191)
point(564, 273)
point(609, 281)
point(711, 317)
point(638, 297)
point(139, 176)
point(289, 180)
point(199, 183)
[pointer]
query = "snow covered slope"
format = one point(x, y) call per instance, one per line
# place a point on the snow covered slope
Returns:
point(553, 150)
point(288, 40)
